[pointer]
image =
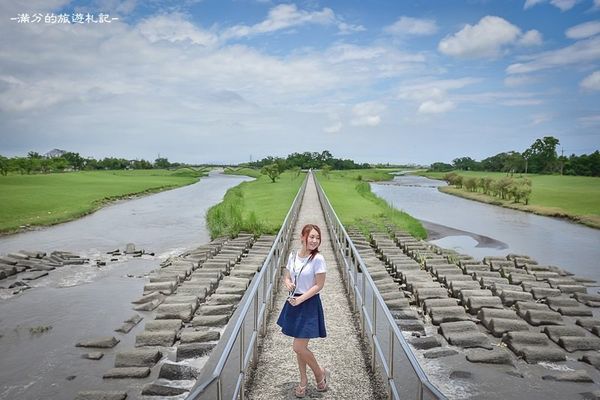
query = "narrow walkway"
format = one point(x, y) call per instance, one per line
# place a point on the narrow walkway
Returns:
point(276, 374)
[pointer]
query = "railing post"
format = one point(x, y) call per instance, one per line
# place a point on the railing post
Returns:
point(242, 337)
point(374, 334)
point(391, 361)
point(255, 350)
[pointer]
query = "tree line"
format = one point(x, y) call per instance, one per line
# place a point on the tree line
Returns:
point(506, 188)
point(295, 162)
point(306, 160)
point(36, 163)
point(540, 158)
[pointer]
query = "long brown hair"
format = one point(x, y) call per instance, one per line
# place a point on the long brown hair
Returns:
point(305, 232)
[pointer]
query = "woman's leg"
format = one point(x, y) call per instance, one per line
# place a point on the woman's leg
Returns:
point(306, 357)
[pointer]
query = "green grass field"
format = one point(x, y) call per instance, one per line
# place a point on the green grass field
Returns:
point(355, 204)
point(574, 197)
point(46, 199)
point(258, 206)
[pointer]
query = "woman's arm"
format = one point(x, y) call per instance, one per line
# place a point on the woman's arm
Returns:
point(287, 280)
point(316, 288)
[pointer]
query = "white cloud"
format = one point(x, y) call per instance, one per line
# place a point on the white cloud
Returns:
point(367, 114)
point(505, 98)
point(486, 39)
point(370, 62)
point(531, 3)
point(334, 128)
point(432, 107)
point(435, 96)
point(584, 51)
point(412, 26)
point(563, 5)
point(175, 28)
point(531, 38)
point(521, 102)
point(346, 29)
point(591, 82)
point(519, 80)
point(433, 90)
point(281, 17)
point(596, 4)
point(537, 119)
point(591, 120)
point(119, 7)
point(584, 30)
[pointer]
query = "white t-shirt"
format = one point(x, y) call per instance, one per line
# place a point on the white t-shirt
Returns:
point(306, 279)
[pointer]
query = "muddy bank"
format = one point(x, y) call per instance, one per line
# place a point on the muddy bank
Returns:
point(437, 231)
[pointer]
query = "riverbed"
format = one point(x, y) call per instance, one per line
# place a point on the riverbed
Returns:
point(481, 230)
point(74, 303)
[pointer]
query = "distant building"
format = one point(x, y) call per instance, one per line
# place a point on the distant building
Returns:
point(55, 153)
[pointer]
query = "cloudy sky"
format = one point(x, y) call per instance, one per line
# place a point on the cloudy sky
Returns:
point(234, 80)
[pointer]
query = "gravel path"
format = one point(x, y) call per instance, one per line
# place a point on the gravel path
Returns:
point(341, 352)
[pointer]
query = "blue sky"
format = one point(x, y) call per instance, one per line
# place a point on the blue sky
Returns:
point(230, 81)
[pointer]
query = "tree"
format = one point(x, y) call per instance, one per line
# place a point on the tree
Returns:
point(440, 167)
point(543, 157)
point(162, 162)
point(141, 164)
point(34, 154)
point(45, 165)
point(485, 183)
point(272, 171)
point(59, 163)
point(527, 156)
point(326, 170)
point(74, 160)
point(325, 157)
point(470, 184)
point(465, 163)
point(4, 165)
point(295, 171)
point(24, 165)
point(513, 162)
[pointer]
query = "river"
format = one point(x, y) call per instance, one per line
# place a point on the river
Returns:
point(84, 301)
point(480, 229)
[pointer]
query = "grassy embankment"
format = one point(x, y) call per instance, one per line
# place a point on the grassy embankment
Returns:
point(260, 206)
point(355, 204)
point(574, 197)
point(47, 199)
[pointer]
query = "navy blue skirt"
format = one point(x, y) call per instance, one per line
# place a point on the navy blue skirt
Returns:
point(305, 321)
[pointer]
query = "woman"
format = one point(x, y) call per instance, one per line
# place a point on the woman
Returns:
point(302, 315)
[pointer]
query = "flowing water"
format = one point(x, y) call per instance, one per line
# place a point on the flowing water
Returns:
point(480, 229)
point(84, 301)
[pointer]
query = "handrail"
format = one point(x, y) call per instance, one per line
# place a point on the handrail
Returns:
point(224, 373)
point(371, 320)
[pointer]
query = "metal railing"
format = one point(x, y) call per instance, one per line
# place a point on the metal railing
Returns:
point(391, 355)
point(224, 373)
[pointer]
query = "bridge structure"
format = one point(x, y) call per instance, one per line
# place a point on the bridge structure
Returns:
point(406, 319)
point(365, 350)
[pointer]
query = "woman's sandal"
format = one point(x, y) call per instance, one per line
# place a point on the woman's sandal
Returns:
point(324, 384)
point(300, 391)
